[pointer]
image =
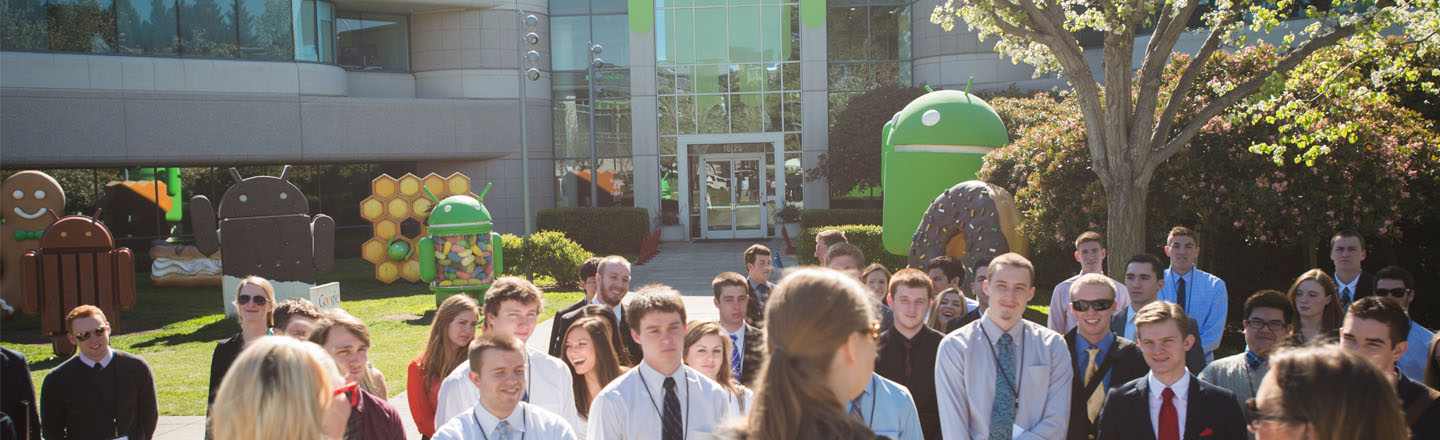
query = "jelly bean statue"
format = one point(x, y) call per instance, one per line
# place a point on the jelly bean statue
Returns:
point(460, 238)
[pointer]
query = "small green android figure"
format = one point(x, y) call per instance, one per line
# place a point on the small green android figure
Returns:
point(461, 255)
point(938, 140)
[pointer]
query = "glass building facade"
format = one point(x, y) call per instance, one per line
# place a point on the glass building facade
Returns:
point(575, 27)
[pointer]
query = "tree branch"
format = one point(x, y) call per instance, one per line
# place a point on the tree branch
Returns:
point(1153, 70)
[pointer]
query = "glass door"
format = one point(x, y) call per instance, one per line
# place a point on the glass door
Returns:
point(732, 196)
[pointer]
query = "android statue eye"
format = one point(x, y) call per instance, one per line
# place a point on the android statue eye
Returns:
point(244, 198)
point(930, 118)
point(39, 194)
point(447, 208)
point(19, 194)
point(284, 196)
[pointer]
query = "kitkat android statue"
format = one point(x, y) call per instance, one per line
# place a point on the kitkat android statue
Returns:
point(77, 263)
point(462, 254)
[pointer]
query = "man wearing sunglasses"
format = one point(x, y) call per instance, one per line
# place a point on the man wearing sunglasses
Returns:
point(1090, 253)
point(1101, 359)
point(101, 393)
point(1396, 283)
point(1268, 315)
point(1376, 327)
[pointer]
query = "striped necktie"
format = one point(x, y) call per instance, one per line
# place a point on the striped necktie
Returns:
point(1097, 398)
point(736, 360)
point(672, 428)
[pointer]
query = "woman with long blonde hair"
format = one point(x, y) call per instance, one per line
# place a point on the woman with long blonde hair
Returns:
point(821, 331)
point(1317, 307)
point(591, 354)
point(279, 388)
point(707, 350)
point(448, 346)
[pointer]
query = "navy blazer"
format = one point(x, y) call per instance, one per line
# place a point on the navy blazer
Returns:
point(1124, 363)
point(1211, 413)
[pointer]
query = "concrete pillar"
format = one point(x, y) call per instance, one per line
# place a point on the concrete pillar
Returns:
point(815, 116)
point(644, 135)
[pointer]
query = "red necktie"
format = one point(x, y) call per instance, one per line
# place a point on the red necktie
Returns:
point(1169, 419)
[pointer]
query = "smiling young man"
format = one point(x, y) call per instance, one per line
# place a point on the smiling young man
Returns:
point(1170, 403)
point(1202, 295)
point(1376, 327)
point(1102, 360)
point(660, 398)
point(347, 339)
point(907, 353)
point(1004, 373)
point(512, 305)
point(612, 284)
point(1090, 252)
point(1143, 280)
point(746, 341)
point(100, 393)
point(1268, 315)
point(759, 265)
point(498, 372)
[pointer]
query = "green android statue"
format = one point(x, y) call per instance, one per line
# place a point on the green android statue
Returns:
point(938, 140)
point(462, 254)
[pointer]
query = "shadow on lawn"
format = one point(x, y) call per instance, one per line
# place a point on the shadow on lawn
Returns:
point(211, 332)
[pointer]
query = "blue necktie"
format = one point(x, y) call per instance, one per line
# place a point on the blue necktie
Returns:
point(1002, 413)
point(1180, 293)
point(672, 428)
point(735, 359)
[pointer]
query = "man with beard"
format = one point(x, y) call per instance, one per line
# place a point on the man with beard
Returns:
point(612, 284)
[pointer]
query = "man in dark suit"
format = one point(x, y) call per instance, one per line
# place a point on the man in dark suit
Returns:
point(611, 286)
point(747, 343)
point(1347, 251)
point(17, 394)
point(100, 392)
point(1169, 403)
point(587, 282)
point(1101, 360)
point(759, 265)
point(908, 349)
point(1144, 276)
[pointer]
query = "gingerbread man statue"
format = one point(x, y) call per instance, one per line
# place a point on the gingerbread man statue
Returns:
point(29, 202)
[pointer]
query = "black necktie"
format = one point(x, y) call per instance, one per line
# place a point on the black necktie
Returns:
point(672, 427)
point(98, 368)
point(1180, 293)
point(907, 360)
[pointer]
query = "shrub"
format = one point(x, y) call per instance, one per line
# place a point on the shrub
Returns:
point(551, 254)
point(865, 237)
point(824, 217)
point(605, 230)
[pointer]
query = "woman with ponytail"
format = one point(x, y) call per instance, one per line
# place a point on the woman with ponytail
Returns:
point(821, 345)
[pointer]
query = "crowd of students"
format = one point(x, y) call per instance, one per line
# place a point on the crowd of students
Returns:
point(833, 352)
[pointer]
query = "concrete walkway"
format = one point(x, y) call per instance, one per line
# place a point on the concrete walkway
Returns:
point(687, 266)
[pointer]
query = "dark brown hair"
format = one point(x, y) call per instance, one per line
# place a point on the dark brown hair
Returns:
point(1347, 233)
point(439, 357)
point(1339, 392)
point(492, 341)
point(755, 250)
point(839, 249)
point(511, 289)
point(1386, 311)
point(1089, 236)
point(606, 314)
point(608, 365)
point(728, 279)
point(292, 307)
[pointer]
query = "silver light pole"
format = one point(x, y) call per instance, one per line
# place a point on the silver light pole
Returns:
point(595, 64)
point(529, 69)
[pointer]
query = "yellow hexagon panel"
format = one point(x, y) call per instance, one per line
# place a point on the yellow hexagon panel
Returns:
point(420, 208)
point(457, 184)
point(383, 186)
point(409, 185)
point(398, 209)
point(436, 185)
point(410, 270)
point(386, 228)
point(374, 250)
point(387, 272)
point(372, 208)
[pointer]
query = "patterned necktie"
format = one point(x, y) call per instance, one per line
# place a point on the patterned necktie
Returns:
point(1097, 398)
point(735, 359)
point(1180, 292)
point(502, 431)
point(1169, 419)
point(1002, 411)
point(672, 428)
point(1345, 295)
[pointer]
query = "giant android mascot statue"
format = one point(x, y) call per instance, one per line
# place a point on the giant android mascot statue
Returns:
point(462, 254)
point(29, 202)
point(77, 263)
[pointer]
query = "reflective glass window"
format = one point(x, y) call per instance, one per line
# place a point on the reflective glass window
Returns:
point(372, 41)
point(569, 7)
point(569, 43)
point(264, 29)
point(746, 35)
point(608, 6)
point(846, 32)
point(612, 33)
point(207, 29)
point(711, 27)
point(325, 28)
point(82, 25)
point(571, 122)
point(612, 128)
point(148, 27)
point(307, 46)
point(24, 25)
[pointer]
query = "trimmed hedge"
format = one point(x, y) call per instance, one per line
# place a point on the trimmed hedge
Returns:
point(609, 230)
point(865, 237)
point(551, 253)
point(824, 217)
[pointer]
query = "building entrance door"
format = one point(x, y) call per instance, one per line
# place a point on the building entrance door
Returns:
point(732, 196)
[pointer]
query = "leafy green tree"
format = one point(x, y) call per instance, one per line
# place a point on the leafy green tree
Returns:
point(1131, 117)
point(853, 161)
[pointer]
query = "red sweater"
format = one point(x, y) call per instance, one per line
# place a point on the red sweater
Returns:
point(423, 398)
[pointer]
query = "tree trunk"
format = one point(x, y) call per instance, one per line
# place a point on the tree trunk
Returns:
point(1125, 224)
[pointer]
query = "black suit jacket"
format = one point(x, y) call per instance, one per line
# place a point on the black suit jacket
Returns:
point(1211, 413)
point(1124, 363)
point(17, 394)
point(1194, 359)
point(755, 310)
point(754, 354)
point(631, 347)
point(559, 326)
point(1364, 287)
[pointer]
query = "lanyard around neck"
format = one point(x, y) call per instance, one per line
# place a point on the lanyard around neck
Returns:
point(686, 378)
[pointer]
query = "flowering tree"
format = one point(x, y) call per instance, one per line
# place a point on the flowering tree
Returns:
point(1136, 127)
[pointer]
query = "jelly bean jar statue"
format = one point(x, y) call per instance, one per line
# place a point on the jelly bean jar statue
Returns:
point(461, 254)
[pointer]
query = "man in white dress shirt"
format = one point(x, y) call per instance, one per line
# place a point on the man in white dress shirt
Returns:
point(1002, 371)
point(512, 306)
point(498, 373)
point(659, 399)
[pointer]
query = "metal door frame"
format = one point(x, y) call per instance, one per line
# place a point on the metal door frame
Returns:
point(777, 149)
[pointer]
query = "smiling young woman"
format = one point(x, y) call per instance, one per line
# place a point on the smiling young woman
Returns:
point(254, 309)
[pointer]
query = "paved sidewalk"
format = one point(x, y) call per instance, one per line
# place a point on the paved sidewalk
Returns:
point(687, 266)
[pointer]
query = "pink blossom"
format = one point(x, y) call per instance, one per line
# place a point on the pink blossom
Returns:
point(1184, 197)
point(1237, 223)
point(1330, 213)
point(1262, 238)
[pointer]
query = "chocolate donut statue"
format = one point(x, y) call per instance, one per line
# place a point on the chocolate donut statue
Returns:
point(970, 220)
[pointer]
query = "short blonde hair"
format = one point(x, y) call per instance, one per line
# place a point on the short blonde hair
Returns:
point(1093, 279)
point(278, 388)
point(1161, 311)
point(269, 289)
point(1011, 259)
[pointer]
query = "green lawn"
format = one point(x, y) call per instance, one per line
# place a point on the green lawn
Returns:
point(176, 330)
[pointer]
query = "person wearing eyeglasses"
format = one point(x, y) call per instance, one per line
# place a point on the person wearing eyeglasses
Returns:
point(255, 310)
point(500, 375)
point(100, 393)
point(1396, 283)
point(1002, 376)
point(1102, 359)
point(1169, 403)
point(1268, 315)
point(1325, 393)
point(1375, 326)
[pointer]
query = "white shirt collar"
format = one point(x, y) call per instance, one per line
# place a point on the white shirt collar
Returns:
point(488, 421)
point(1181, 388)
point(104, 362)
point(1352, 284)
point(739, 333)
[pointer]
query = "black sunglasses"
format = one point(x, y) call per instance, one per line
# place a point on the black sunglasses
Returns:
point(85, 335)
point(1398, 292)
point(1099, 305)
point(260, 300)
point(1257, 417)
